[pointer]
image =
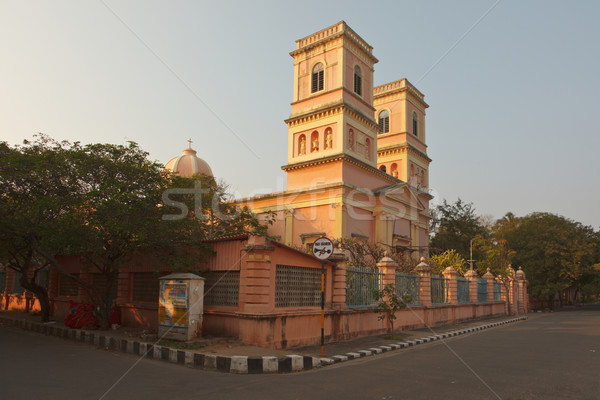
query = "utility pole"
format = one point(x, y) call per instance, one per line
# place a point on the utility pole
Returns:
point(471, 260)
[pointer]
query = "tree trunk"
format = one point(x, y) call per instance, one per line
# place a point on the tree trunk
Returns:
point(40, 293)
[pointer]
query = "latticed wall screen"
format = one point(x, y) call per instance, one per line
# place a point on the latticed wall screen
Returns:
point(145, 287)
point(297, 286)
point(67, 286)
point(221, 288)
point(2, 281)
point(17, 288)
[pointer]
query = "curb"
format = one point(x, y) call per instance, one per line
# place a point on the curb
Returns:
point(230, 364)
point(415, 342)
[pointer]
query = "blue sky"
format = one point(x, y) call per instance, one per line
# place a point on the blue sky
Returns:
point(513, 123)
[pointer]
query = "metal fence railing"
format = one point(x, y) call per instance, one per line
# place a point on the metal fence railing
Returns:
point(497, 291)
point(408, 284)
point(481, 290)
point(361, 282)
point(462, 288)
point(439, 290)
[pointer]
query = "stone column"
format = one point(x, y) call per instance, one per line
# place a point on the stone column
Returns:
point(472, 276)
point(424, 271)
point(387, 267)
point(339, 279)
point(452, 275)
point(490, 285)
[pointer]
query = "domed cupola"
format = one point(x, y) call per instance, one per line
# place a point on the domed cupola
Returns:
point(188, 164)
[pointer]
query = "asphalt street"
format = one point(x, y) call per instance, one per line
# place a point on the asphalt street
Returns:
point(549, 356)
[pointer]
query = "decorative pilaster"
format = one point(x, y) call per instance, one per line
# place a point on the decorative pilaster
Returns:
point(424, 271)
point(489, 277)
point(520, 280)
point(472, 276)
point(451, 274)
point(257, 277)
point(387, 267)
point(339, 279)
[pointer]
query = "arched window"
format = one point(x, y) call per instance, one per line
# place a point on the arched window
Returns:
point(357, 81)
point(383, 168)
point(384, 122)
point(415, 124)
point(317, 78)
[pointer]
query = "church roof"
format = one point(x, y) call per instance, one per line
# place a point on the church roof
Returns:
point(188, 164)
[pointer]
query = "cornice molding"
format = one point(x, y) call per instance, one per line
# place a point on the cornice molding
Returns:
point(330, 110)
point(340, 158)
point(403, 148)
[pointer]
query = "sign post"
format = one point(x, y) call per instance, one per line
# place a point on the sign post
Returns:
point(322, 249)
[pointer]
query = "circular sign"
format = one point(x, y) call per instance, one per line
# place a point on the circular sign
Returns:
point(322, 248)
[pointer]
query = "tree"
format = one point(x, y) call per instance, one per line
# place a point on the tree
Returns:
point(388, 303)
point(36, 189)
point(104, 204)
point(360, 252)
point(556, 252)
point(454, 226)
point(449, 258)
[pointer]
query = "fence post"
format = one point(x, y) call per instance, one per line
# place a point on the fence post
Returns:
point(472, 276)
point(339, 279)
point(387, 267)
point(489, 277)
point(520, 276)
point(424, 271)
point(452, 275)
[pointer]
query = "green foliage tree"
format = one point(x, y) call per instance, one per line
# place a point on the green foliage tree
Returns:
point(388, 303)
point(36, 190)
point(453, 226)
point(104, 203)
point(449, 258)
point(555, 251)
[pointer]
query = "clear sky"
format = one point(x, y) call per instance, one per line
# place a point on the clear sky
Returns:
point(513, 86)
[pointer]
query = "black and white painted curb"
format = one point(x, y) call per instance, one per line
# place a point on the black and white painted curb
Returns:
point(232, 364)
point(415, 342)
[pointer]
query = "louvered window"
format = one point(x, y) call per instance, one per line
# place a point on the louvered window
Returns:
point(357, 81)
point(415, 124)
point(317, 78)
point(384, 122)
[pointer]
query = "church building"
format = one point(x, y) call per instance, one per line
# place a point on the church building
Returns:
point(357, 155)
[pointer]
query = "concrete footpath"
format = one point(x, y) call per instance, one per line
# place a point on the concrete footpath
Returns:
point(226, 355)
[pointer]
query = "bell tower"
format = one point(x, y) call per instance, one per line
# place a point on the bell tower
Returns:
point(401, 149)
point(331, 123)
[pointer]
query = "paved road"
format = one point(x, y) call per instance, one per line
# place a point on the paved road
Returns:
point(549, 356)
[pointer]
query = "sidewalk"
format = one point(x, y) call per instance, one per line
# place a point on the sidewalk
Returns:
point(229, 355)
